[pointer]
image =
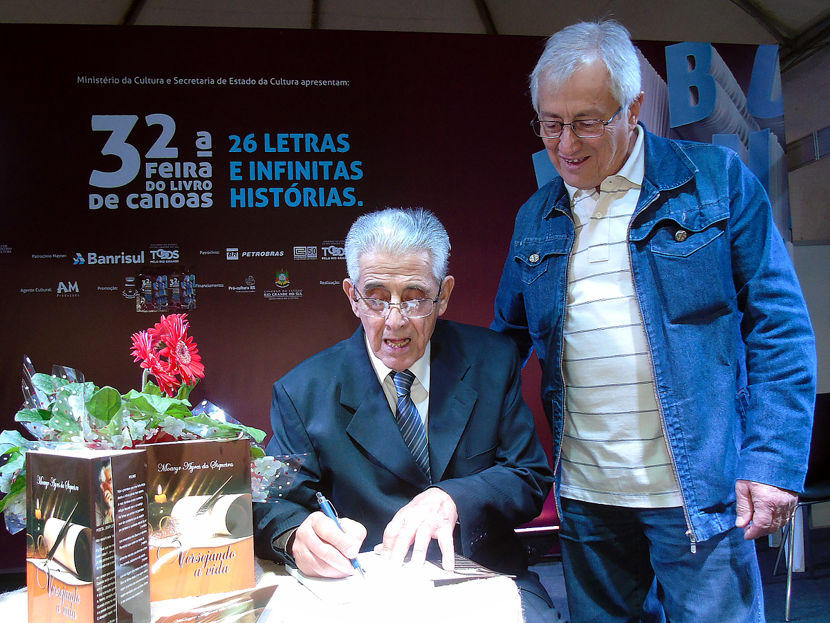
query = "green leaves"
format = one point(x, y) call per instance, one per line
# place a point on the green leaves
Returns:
point(11, 440)
point(13, 446)
point(81, 413)
point(104, 404)
point(18, 487)
point(47, 383)
point(207, 427)
point(32, 415)
point(156, 406)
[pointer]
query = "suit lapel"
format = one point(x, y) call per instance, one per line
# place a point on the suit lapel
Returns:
point(451, 400)
point(372, 425)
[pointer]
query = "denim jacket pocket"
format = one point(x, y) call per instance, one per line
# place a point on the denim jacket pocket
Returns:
point(692, 269)
point(533, 255)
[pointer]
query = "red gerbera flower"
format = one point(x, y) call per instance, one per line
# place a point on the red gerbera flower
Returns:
point(180, 349)
point(144, 348)
point(167, 382)
point(167, 352)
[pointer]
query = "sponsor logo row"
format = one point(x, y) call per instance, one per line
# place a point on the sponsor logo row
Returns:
point(177, 292)
point(326, 251)
point(170, 254)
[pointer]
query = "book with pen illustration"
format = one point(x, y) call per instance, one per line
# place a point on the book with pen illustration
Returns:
point(200, 517)
point(86, 545)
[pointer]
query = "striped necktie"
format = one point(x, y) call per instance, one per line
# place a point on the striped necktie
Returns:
point(409, 420)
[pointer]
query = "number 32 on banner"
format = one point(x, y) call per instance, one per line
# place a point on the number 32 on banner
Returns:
point(119, 127)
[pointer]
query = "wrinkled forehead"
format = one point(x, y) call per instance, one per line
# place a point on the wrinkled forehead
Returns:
point(398, 270)
point(590, 84)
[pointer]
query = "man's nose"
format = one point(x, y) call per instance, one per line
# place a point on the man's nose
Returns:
point(568, 141)
point(394, 317)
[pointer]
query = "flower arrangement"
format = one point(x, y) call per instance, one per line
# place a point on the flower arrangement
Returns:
point(62, 410)
point(170, 355)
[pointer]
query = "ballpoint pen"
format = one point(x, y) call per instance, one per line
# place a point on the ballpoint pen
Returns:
point(328, 510)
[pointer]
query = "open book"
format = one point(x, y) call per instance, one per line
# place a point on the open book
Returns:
point(386, 579)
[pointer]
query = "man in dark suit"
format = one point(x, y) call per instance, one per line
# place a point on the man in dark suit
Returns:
point(414, 427)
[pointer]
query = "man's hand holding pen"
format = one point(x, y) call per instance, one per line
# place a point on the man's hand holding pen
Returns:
point(321, 548)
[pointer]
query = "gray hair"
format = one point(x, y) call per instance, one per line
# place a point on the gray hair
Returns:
point(398, 231)
point(578, 44)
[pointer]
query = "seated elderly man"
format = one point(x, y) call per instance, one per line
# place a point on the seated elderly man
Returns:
point(414, 427)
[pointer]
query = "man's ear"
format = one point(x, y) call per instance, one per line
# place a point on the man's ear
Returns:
point(634, 109)
point(446, 290)
point(348, 288)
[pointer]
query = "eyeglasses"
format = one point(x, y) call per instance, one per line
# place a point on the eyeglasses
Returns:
point(415, 308)
point(582, 128)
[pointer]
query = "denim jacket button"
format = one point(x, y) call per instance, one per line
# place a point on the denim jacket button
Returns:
point(534, 257)
point(680, 235)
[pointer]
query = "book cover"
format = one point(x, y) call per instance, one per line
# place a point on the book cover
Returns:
point(201, 519)
point(86, 546)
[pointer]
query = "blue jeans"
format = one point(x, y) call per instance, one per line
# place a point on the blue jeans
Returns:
point(612, 554)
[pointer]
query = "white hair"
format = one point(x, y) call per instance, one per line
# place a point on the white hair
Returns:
point(578, 44)
point(398, 231)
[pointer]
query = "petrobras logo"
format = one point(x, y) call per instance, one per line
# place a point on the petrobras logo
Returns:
point(124, 257)
point(305, 253)
point(67, 289)
point(333, 250)
point(233, 253)
point(262, 253)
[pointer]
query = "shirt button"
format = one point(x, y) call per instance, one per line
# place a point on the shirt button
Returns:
point(534, 258)
point(680, 235)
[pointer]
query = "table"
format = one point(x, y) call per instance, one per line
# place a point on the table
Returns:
point(492, 600)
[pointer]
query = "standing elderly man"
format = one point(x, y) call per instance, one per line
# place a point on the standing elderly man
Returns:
point(678, 361)
point(414, 427)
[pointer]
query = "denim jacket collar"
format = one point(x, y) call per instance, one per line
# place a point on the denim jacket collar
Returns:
point(666, 168)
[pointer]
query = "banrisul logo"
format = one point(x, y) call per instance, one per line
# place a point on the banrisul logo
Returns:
point(123, 257)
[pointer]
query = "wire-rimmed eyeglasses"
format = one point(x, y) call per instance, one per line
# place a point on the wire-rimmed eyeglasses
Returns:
point(414, 308)
point(582, 128)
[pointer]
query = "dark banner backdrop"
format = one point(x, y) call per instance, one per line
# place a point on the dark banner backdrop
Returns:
point(137, 162)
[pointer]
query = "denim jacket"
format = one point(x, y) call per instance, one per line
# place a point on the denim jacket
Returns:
point(731, 345)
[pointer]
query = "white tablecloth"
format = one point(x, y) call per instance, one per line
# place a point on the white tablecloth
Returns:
point(492, 600)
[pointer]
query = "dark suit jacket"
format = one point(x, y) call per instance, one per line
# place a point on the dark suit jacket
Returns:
point(483, 447)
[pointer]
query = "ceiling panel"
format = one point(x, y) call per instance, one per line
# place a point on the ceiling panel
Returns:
point(708, 20)
point(674, 20)
point(247, 14)
point(56, 12)
point(419, 15)
point(797, 15)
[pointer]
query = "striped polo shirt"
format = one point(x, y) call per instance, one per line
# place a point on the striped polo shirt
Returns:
point(613, 448)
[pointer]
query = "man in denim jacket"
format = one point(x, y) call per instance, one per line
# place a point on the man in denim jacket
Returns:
point(678, 361)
